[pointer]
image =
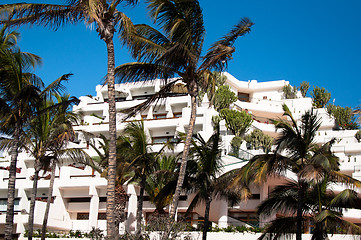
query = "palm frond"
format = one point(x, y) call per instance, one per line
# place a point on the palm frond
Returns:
point(56, 86)
point(154, 99)
point(145, 42)
point(283, 200)
point(279, 227)
point(181, 20)
point(51, 15)
point(221, 51)
point(138, 72)
point(345, 199)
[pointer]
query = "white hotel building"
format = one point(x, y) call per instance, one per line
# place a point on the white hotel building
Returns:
point(79, 197)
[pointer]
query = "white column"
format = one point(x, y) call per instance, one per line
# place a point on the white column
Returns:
point(19, 218)
point(24, 202)
point(132, 208)
point(58, 209)
point(223, 213)
point(94, 207)
point(150, 113)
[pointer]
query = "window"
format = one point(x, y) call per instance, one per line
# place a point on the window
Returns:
point(177, 114)
point(141, 97)
point(82, 216)
point(247, 217)
point(4, 203)
point(161, 140)
point(243, 97)
point(183, 198)
point(84, 199)
point(102, 216)
point(120, 99)
point(160, 116)
point(256, 196)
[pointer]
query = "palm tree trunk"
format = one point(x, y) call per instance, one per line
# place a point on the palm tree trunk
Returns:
point(112, 137)
point(299, 210)
point(32, 201)
point(183, 167)
point(50, 193)
point(140, 207)
point(120, 204)
point(11, 186)
point(206, 218)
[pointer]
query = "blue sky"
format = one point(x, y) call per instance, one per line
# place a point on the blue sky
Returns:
point(314, 41)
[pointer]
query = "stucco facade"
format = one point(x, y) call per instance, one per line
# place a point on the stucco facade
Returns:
point(79, 198)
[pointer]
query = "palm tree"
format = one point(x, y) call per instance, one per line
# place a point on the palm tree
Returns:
point(160, 185)
point(36, 134)
point(136, 149)
point(20, 93)
point(206, 182)
point(62, 132)
point(322, 207)
point(123, 174)
point(45, 134)
point(108, 19)
point(177, 53)
point(303, 157)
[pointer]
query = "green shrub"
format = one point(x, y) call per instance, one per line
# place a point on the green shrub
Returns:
point(223, 98)
point(37, 233)
point(95, 234)
point(236, 145)
point(343, 116)
point(240, 229)
point(289, 92)
point(229, 229)
point(320, 97)
point(236, 121)
point(257, 139)
point(304, 88)
point(215, 120)
point(75, 234)
point(216, 229)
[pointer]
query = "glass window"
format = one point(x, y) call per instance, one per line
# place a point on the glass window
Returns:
point(82, 216)
point(102, 216)
point(4, 203)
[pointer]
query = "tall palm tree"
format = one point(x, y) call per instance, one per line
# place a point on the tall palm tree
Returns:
point(35, 134)
point(20, 93)
point(108, 19)
point(177, 53)
point(44, 140)
point(45, 133)
point(296, 152)
point(206, 181)
point(137, 150)
point(61, 132)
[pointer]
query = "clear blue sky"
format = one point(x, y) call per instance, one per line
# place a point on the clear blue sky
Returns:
point(315, 41)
